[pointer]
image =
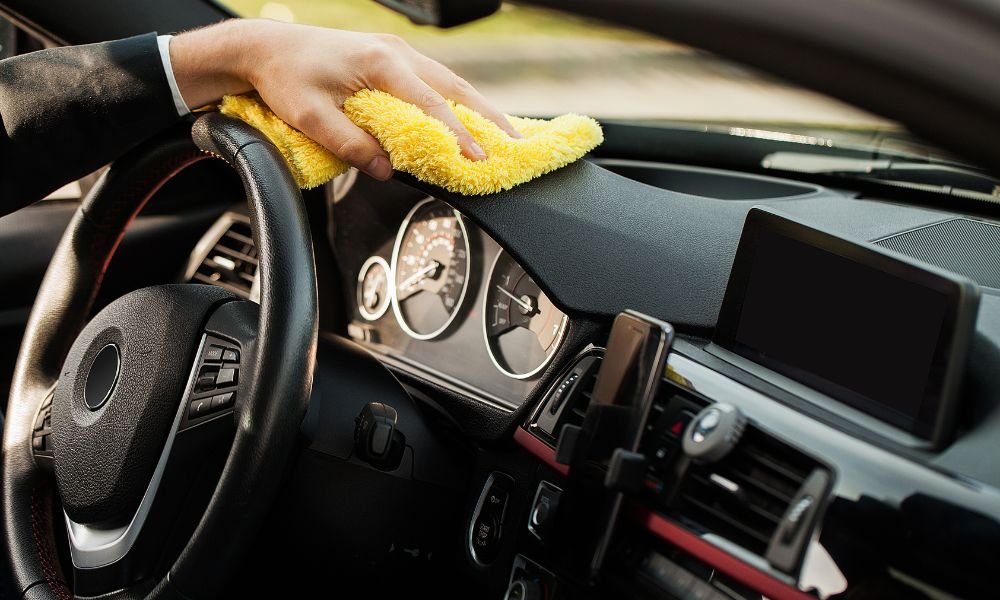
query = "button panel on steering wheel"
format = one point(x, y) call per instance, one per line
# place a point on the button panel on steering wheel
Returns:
point(214, 391)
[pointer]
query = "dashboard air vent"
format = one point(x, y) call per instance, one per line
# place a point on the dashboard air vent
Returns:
point(227, 256)
point(743, 497)
point(566, 403)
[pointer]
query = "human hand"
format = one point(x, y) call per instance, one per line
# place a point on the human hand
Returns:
point(305, 73)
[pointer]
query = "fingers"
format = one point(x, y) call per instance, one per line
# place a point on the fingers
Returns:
point(407, 86)
point(324, 123)
point(453, 87)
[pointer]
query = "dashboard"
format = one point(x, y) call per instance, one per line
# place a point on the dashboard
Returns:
point(508, 305)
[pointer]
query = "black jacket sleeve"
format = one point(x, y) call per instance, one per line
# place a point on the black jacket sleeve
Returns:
point(64, 112)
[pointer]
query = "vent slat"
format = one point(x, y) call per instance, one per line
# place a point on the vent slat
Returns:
point(237, 254)
point(767, 475)
point(239, 237)
point(724, 516)
point(232, 263)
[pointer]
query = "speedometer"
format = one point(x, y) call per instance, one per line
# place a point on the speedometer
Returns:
point(522, 326)
point(430, 264)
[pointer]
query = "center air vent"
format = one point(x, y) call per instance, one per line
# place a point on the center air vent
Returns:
point(227, 257)
point(744, 497)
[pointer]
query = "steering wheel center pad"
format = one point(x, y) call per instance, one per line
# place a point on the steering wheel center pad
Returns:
point(104, 457)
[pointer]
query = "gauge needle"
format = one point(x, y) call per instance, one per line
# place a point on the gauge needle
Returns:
point(528, 308)
point(420, 275)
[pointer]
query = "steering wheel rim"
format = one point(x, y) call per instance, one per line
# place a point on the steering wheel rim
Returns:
point(283, 339)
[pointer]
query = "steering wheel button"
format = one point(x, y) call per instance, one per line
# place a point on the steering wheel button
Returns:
point(205, 383)
point(227, 377)
point(199, 408)
point(214, 354)
point(230, 355)
point(220, 401)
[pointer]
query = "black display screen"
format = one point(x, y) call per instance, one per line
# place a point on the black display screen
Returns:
point(857, 324)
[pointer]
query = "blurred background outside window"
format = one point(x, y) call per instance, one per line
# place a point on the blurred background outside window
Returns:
point(537, 62)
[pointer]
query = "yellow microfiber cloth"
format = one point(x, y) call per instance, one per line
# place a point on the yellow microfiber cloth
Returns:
point(424, 147)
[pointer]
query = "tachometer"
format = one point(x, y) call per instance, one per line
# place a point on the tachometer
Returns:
point(522, 326)
point(430, 263)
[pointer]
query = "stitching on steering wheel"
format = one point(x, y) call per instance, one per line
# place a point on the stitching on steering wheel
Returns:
point(40, 528)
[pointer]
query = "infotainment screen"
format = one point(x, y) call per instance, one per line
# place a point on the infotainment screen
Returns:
point(877, 331)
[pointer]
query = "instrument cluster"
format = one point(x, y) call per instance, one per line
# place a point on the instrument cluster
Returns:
point(441, 296)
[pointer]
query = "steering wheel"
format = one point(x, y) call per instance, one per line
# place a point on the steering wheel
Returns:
point(152, 439)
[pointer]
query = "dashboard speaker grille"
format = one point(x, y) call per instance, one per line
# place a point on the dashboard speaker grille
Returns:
point(964, 246)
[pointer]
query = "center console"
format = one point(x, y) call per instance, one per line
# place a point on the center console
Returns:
point(670, 468)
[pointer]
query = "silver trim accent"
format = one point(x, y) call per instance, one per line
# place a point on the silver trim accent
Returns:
point(486, 338)
point(389, 288)
point(395, 258)
point(92, 546)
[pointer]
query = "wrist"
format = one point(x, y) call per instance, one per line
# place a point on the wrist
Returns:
point(215, 61)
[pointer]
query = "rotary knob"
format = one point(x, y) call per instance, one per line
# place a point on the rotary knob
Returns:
point(713, 433)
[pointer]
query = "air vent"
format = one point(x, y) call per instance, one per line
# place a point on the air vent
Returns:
point(567, 401)
point(226, 256)
point(743, 497)
point(964, 246)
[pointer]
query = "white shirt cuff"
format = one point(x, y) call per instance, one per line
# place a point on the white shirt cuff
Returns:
point(163, 43)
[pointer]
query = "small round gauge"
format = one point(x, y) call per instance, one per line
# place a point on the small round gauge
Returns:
point(522, 326)
point(373, 288)
point(430, 266)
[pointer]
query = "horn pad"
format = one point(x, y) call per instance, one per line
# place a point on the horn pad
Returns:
point(118, 393)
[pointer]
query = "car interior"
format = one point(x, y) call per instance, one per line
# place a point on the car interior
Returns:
point(707, 361)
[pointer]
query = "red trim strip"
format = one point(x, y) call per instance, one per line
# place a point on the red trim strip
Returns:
point(540, 449)
point(743, 572)
point(669, 531)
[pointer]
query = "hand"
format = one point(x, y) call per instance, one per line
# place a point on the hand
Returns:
point(305, 73)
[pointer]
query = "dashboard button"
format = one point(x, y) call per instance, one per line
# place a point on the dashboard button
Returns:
point(230, 355)
point(543, 509)
point(486, 528)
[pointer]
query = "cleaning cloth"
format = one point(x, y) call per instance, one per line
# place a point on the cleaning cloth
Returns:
point(425, 147)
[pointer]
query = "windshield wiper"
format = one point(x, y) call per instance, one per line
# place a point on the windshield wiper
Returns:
point(941, 178)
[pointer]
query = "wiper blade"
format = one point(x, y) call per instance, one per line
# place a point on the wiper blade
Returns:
point(942, 178)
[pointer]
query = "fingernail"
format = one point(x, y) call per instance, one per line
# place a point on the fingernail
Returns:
point(380, 168)
point(477, 151)
point(515, 134)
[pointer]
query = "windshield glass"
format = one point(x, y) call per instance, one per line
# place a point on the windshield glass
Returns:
point(535, 62)
point(531, 61)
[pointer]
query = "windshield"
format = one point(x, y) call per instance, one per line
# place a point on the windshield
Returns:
point(531, 61)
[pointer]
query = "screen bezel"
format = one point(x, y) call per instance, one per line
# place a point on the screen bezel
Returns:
point(934, 421)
